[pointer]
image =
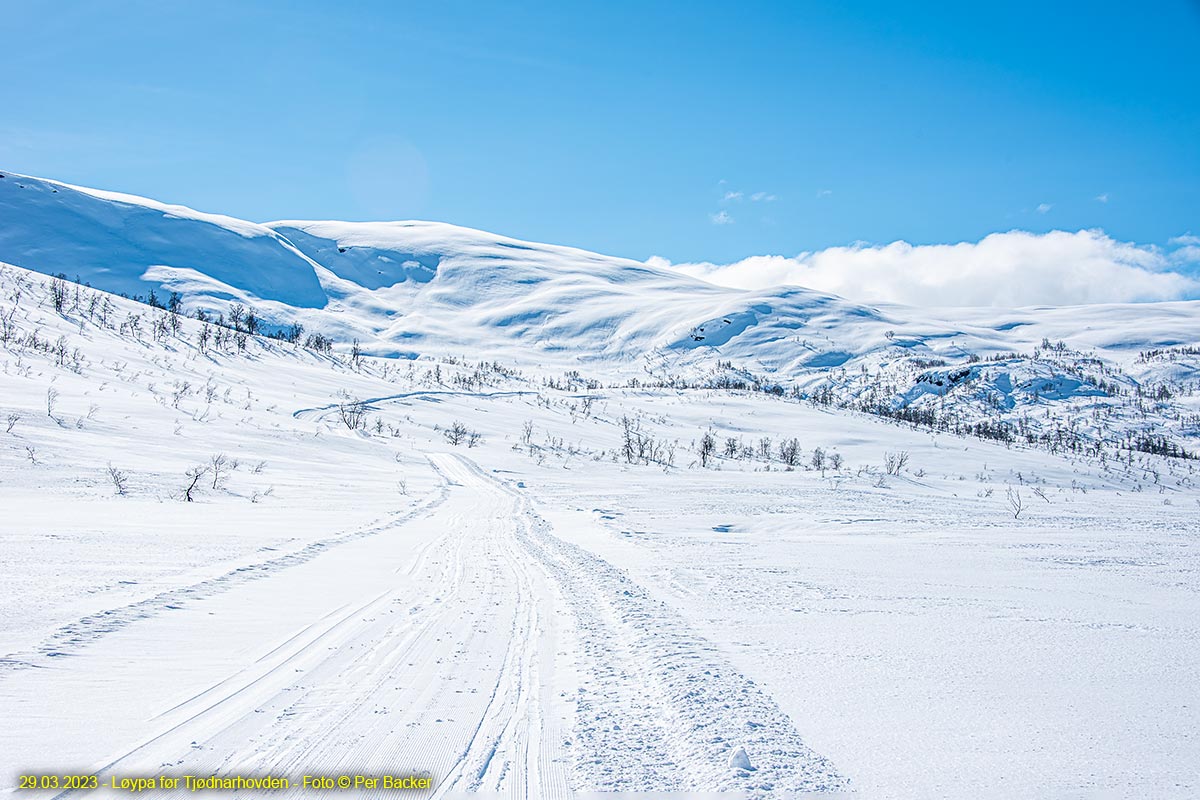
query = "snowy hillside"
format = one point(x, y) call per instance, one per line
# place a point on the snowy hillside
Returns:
point(602, 528)
point(546, 591)
point(1076, 378)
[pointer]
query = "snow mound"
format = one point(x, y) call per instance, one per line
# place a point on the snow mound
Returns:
point(739, 760)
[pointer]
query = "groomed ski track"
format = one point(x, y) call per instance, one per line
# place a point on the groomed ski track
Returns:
point(468, 642)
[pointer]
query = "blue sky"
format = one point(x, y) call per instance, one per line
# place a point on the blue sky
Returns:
point(626, 127)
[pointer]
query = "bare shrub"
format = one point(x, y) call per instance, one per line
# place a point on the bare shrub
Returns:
point(893, 463)
point(455, 433)
point(118, 478)
point(221, 465)
point(353, 414)
point(58, 294)
point(1015, 503)
point(258, 496)
point(459, 433)
point(708, 447)
point(193, 476)
point(639, 447)
point(789, 452)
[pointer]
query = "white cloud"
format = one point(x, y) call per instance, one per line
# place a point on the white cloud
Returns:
point(1044, 207)
point(721, 218)
point(1186, 255)
point(824, 193)
point(1103, 198)
point(756, 197)
point(1187, 250)
point(1004, 269)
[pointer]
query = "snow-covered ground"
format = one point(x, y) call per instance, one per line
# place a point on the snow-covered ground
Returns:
point(534, 615)
point(1097, 377)
point(508, 560)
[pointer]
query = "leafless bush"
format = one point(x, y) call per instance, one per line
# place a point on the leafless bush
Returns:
point(257, 496)
point(1015, 503)
point(193, 477)
point(789, 452)
point(221, 465)
point(893, 463)
point(179, 390)
point(835, 461)
point(13, 419)
point(51, 401)
point(527, 438)
point(8, 327)
point(639, 447)
point(352, 414)
point(58, 294)
point(455, 433)
point(118, 478)
point(708, 447)
point(458, 433)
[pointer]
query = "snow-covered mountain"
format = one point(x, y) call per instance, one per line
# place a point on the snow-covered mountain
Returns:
point(611, 531)
point(412, 288)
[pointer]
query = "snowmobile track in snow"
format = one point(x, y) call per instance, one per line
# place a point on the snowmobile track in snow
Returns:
point(493, 656)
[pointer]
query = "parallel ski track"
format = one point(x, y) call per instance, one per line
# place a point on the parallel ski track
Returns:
point(69, 639)
point(452, 670)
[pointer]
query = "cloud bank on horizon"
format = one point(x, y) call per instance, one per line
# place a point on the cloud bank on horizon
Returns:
point(1016, 268)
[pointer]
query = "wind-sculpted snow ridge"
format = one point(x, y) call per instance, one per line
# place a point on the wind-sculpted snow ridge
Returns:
point(128, 244)
point(1082, 378)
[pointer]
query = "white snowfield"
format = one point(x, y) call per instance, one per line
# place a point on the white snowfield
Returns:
point(500, 565)
point(1117, 373)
